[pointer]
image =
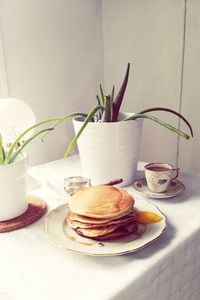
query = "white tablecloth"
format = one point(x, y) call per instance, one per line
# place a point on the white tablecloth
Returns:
point(31, 268)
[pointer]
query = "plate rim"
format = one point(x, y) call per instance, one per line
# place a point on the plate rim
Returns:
point(158, 195)
point(53, 211)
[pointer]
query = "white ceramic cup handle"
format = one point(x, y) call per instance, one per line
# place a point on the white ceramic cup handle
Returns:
point(177, 173)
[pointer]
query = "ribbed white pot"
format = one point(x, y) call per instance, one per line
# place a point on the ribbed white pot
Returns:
point(13, 188)
point(109, 151)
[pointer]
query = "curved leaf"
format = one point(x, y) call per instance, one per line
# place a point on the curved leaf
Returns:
point(65, 118)
point(171, 111)
point(57, 122)
point(166, 125)
point(13, 157)
point(87, 120)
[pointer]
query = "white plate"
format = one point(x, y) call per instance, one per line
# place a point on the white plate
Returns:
point(62, 235)
point(175, 188)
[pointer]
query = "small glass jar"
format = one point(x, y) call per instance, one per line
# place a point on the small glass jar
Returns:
point(75, 183)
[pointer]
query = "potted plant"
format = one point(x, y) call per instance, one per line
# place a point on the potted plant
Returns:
point(14, 166)
point(109, 141)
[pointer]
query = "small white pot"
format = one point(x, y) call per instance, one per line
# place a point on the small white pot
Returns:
point(109, 151)
point(13, 188)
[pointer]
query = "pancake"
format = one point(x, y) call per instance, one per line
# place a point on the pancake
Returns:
point(94, 233)
point(101, 202)
point(119, 221)
point(119, 232)
point(89, 220)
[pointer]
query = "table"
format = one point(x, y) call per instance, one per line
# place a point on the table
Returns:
point(34, 268)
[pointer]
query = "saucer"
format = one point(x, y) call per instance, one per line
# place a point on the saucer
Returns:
point(36, 209)
point(175, 188)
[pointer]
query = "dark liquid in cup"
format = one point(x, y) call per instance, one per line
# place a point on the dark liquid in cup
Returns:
point(158, 169)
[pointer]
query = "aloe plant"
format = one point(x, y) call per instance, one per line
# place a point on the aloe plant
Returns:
point(106, 110)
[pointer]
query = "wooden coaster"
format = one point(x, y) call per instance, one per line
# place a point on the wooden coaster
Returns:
point(36, 209)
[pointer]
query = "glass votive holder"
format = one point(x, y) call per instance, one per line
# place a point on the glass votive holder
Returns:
point(75, 183)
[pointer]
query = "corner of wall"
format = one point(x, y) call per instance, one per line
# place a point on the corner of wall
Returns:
point(3, 74)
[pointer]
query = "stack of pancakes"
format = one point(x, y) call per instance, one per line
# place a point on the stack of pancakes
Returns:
point(102, 212)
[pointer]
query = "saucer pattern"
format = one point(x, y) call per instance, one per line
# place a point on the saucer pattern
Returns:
point(175, 188)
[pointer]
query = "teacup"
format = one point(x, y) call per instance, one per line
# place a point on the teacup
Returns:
point(159, 175)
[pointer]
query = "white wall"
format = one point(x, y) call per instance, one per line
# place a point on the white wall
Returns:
point(54, 61)
point(148, 34)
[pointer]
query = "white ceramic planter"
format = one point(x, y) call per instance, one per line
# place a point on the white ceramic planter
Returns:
point(109, 151)
point(13, 188)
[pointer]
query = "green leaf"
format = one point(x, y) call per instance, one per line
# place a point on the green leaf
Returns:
point(118, 100)
point(166, 125)
point(98, 100)
point(87, 120)
point(65, 118)
point(171, 111)
point(56, 122)
point(18, 139)
point(113, 93)
point(13, 157)
point(2, 152)
point(99, 114)
point(102, 95)
point(107, 114)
